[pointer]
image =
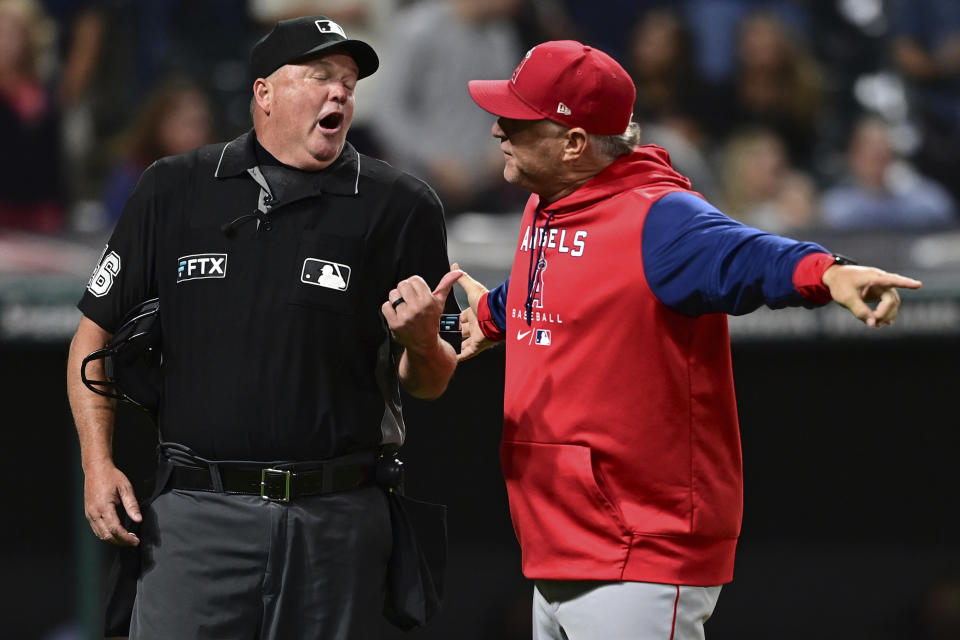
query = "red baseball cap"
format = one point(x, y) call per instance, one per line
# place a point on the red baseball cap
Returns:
point(564, 81)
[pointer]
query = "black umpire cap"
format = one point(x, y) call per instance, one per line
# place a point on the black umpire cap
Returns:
point(301, 38)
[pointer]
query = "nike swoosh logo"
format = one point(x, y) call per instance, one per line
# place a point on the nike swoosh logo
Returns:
point(521, 336)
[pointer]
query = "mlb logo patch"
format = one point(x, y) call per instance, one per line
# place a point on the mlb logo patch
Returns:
point(201, 266)
point(329, 26)
point(543, 337)
point(326, 274)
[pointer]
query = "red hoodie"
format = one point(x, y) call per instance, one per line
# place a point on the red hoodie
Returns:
point(621, 449)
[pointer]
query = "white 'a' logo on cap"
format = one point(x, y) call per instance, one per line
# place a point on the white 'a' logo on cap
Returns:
point(329, 26)
point(519, 68)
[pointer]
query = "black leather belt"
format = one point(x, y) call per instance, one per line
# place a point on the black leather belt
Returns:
point(279, 484)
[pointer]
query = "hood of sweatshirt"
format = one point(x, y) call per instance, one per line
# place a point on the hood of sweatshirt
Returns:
point(647, 167)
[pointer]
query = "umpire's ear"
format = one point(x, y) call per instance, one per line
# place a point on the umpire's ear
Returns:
point(263, 94)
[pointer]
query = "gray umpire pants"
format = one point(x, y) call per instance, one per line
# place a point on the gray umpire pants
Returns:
point(241, 567)
point(589, 610)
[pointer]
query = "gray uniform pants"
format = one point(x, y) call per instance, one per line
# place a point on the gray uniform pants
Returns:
point(241, 567)
point(582, 610)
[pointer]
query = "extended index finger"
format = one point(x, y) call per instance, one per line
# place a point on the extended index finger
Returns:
point(895, 280)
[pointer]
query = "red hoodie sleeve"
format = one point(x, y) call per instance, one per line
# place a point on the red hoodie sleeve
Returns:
point(808, 277)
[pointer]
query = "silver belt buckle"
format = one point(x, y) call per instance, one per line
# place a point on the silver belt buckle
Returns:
point(271, 492)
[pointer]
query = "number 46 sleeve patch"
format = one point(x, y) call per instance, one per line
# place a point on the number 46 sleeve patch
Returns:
point(104, 275)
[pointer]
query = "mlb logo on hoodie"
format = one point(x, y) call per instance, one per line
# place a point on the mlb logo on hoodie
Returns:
point(543, 337)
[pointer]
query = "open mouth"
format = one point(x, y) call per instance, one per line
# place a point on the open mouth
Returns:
point(331, 121)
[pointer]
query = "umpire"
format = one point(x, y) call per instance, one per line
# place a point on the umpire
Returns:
point(292, 274)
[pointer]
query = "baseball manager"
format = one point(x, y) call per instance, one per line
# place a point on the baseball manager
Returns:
point(621, 449)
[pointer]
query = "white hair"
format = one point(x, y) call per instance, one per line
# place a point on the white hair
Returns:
point(618, 144)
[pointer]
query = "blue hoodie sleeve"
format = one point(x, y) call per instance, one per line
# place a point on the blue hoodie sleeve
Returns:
point(697, 260)
point(497, 301)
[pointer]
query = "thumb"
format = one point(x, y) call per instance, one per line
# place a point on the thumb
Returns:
point(446, 283)
point(129, 501)
point(859, 308)
point(471, 287)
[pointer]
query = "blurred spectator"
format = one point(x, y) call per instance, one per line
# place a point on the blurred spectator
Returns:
point(146, 42)
point(686, 156)
point(660, 60)
point(82, 28)
point(426, 120)
point(209, 42)
point(31, 181)
point(175, 119)
point(604, 24)
point(760, 187)
point(776, 84)
point(140, 44)
point(81, 35)
point(714, 24)
point(882, 191)
point(367, 20)
point(670, 97)
point(926, 49)
point(850, 44)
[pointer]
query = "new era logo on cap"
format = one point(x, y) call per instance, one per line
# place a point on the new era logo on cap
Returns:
point(564, 81)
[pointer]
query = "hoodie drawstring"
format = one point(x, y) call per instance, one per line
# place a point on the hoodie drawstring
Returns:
point(531, 272)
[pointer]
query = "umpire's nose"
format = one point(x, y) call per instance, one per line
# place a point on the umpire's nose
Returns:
point(339, 92)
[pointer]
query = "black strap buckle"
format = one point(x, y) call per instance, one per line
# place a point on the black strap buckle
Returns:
point(275, 484)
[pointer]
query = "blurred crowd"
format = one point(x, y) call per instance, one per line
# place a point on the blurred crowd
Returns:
point(787, 114)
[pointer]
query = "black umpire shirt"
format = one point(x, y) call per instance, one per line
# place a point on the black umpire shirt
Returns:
point(270, 282)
